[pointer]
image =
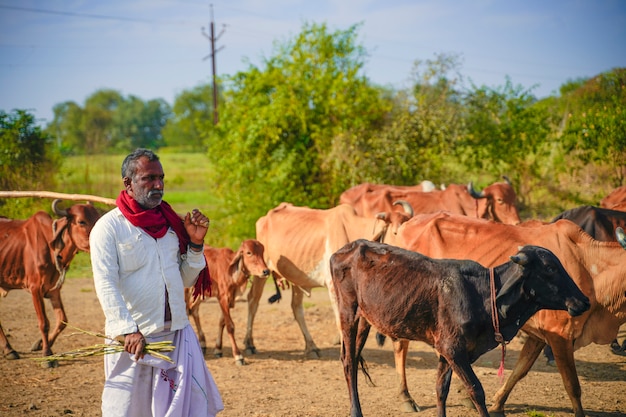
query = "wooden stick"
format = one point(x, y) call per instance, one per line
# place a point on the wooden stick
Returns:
point(62, 196)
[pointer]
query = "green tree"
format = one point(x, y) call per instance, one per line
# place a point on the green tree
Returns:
point(109, 122)
point(27, 158)
point(192, 114)
point(424, 127)
point(596, 123)
point(66, 128)
point(136, 123)
point(507, 135)
point(281, 126)
point(97, 122)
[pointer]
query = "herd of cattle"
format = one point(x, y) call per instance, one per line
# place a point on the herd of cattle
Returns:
point(453, 267)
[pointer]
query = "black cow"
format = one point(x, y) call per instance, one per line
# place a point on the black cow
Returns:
point(598, 222)
point(446, 303)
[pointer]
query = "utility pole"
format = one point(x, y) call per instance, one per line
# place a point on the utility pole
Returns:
point(212, 38)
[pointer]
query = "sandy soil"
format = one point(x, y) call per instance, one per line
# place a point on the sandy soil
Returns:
point(279, 381)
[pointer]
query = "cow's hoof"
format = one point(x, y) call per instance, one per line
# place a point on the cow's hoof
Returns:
point(409, 406)
point(496, 414)
point(617, 349)
point(619, 352)
point(12, 355)
point(37, 346)
point(250, 350)
point(551, 362)
point(314, 354)
point(50, 364)
point(218, 354)
point(240, 362)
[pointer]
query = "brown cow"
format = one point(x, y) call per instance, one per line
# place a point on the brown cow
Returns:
point(457, 306)
point(616, 200)
point(298, 243)
point(496, 201)
point(229, 273)
point(620, 206)
point(354, 195)
point(35, 256)
point(597, 267)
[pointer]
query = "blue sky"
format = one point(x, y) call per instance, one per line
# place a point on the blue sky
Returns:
point(54, 51)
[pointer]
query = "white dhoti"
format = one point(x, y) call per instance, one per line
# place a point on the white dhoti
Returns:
point(157, 388)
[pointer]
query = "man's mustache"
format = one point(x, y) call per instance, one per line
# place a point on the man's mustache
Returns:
point(153, 193)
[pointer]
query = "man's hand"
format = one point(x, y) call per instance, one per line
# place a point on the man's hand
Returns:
point(135, 343)
point(196, 225)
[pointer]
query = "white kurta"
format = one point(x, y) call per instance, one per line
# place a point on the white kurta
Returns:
point(131, 268)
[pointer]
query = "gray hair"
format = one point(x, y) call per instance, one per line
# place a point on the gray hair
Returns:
point(129, 166)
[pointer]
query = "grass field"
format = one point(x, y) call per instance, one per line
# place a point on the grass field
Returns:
point(187, 178)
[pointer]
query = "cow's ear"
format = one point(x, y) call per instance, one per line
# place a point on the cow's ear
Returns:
point(58, 226)
point(510, 293)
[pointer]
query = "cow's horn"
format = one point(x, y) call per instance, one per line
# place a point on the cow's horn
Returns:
point(56, 209)
point(621, 236)
point(408, 209)
point(473, 192)
point(521, 258)
point(506, 179)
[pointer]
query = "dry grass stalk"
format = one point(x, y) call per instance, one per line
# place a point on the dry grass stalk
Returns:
point(155, 349)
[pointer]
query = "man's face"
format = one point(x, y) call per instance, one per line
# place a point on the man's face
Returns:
point(147, 185)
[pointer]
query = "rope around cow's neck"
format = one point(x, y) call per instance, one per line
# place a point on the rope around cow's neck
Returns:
point(496, 323)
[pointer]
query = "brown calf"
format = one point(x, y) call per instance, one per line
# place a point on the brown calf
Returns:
point(229, 273)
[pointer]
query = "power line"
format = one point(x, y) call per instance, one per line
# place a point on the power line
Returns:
point(89, 15)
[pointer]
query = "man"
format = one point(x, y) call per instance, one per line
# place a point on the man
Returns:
point(143, 255)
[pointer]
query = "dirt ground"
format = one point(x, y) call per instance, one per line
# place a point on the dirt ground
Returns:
point(278, 381)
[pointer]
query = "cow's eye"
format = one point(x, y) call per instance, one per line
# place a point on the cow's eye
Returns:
point(550, 269)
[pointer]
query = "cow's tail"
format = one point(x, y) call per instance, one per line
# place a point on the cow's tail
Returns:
point(363, 366)
point(380, 339)
point(276, 297)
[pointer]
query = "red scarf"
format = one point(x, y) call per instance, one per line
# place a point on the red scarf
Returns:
point(155, 222)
